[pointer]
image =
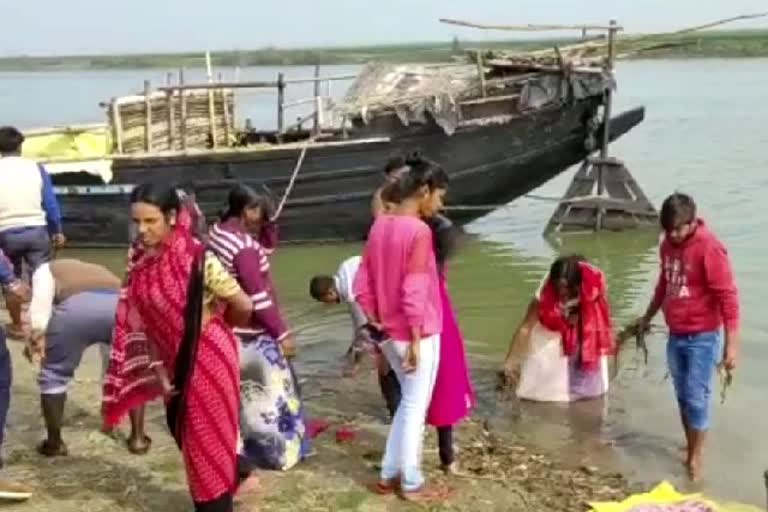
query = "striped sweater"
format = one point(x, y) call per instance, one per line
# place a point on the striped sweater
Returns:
point(247, 261)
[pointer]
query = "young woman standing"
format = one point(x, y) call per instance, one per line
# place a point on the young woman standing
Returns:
point(173, 338)
point(398, 287)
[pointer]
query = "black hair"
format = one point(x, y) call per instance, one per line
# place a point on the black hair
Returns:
point(164, 197)
point(11, 140)
point(445, 238)
point(567, 268)
point(676, 210)
point(241, 197)
point(421, 172)
point(319, 286)
point(394, 163)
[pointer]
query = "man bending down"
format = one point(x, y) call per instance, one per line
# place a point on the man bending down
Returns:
point(337, 289)
point(73, 306)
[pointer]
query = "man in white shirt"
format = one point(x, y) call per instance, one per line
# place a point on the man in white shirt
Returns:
point(337, 289)
point(73, 306)
point(30, 218)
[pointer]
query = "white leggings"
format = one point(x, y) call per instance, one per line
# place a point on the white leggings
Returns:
point(402, 456)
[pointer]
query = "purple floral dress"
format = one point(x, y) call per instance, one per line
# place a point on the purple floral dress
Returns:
point(272, 428)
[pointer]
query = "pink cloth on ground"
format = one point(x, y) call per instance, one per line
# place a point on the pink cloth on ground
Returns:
point(453, 396)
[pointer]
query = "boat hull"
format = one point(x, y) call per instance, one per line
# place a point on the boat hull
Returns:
point(490, 163)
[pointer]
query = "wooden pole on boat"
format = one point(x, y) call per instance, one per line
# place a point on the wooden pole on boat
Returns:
point(481, 73)
point(147, 116)
point(211, 99)
point(607, 109)
point(318, 102)
point(280, 102)
point(225, 107)
point(171, 120)
point(182, 111)
point(117, 123)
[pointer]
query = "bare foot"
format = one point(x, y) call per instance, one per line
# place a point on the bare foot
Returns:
point(250, 485)
point(694, 470)
point(139, 446)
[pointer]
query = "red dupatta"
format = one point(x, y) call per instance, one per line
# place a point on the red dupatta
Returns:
point(592, 336)
point(152, 304)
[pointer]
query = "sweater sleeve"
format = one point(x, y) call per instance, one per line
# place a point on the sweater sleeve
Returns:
point(269, 235)
point(415, 285)
point(43, 295)
point(50, 204)
point(661, 286)
point(722, 284)
point(266, 312)
point(362, 288)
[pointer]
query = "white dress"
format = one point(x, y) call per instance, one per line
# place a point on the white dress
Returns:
point(547, 375)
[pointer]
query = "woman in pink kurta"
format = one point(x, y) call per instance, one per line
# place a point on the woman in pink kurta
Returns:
point(453, 396)
point(398, 287)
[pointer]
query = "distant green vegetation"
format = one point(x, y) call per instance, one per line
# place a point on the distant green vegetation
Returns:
point(734, 43)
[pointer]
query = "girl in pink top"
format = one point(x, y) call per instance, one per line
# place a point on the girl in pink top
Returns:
point(453, 396)
point(398, 287)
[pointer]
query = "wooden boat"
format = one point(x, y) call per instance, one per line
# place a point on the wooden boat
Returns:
point(499, 134)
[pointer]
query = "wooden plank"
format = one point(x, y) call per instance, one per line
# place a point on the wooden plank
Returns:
point(147, 116)
point(524, 28)
point(227, 130)
point(182, 112)
point(280, 102)
point(318, 104)
point(259, 84)
point(225, 85)
point(211, 100)
point(118, 126)
point(171, 121)
point(481, 74)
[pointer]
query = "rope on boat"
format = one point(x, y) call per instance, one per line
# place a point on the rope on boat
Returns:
point(489, 207)
point(559, 200)
point(289, 188)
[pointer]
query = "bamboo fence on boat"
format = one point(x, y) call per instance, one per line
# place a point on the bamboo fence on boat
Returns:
point(171, 120)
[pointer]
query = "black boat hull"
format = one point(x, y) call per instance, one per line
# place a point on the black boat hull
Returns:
point(492, 163)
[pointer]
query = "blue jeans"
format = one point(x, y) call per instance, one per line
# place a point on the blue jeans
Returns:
point(5, 385)
point(692, 360)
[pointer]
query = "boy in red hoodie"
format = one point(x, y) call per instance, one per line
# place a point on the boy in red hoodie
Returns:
point(697, 293)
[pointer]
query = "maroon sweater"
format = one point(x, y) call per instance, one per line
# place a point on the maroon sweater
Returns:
point(247, 260)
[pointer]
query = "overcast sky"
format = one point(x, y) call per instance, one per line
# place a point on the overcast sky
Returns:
point(46, 27)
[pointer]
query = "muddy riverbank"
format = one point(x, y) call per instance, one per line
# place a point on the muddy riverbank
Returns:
point(499, 472)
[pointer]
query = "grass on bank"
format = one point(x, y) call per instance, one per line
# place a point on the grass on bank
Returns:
point(715, 44)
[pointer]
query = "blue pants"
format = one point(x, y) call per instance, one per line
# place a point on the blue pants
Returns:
point(692, 360)
point(5, 385)
point(30, 246)
point(76, 323)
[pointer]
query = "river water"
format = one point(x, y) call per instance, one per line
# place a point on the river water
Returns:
point(705, 134)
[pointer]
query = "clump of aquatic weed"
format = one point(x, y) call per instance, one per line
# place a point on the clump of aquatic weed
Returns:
point(538, 481)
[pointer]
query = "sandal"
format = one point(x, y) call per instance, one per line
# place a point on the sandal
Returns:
point(426, 494)
point(385, 487)
point(137, 448)
point(48, 449)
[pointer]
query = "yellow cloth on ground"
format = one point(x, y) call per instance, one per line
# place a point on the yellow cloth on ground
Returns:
point(665, 494)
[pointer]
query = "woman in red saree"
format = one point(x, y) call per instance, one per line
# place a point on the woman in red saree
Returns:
point(172, 339)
